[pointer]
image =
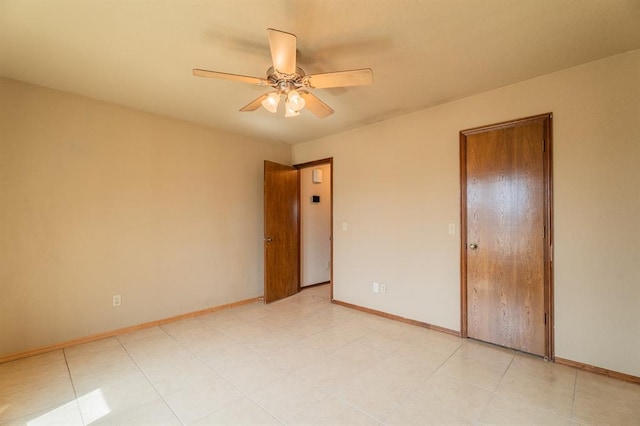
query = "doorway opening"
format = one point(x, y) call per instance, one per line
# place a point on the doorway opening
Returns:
point(298, 240)
point(315, 224)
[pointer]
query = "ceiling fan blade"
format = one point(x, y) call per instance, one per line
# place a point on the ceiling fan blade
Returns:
point(235, 77)
point(283, 51)
point(315, 105)
point(360, 77)
point(255, 104)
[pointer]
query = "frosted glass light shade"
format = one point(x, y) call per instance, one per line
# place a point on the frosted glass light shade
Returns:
point(296, 102)
point(290, 112)
point(271, 102)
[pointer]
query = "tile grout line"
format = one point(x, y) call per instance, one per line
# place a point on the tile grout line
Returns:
point(473, 384)
point(528, 403)
point(494, 392)
point(328, 392)
point(73, 386)
point(573, 399)
point(415, 391)
point(148, 379)
point(288, 372)
point(246, 395)
point(332, 393)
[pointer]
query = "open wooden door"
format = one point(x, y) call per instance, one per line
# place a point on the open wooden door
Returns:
point(281, 232)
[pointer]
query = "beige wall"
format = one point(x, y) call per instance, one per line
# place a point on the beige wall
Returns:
point(396, 184)
point(98, 200)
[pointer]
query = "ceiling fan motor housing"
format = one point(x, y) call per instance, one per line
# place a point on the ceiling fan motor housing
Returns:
point(285, 82)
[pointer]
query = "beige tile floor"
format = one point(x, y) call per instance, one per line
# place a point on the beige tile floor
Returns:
point(303, 361)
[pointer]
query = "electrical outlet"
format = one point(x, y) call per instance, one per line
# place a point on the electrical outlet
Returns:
point(117, 300)
point(383, 288)
point(452, 228)
point(375, 287)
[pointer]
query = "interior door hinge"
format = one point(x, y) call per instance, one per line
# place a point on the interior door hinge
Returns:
point(545, 318)
point(543, 145)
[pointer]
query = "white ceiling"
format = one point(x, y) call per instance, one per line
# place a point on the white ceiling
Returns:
point(140, 53)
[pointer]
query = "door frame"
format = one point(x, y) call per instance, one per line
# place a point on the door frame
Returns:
point(548, 223)
point(306, 165)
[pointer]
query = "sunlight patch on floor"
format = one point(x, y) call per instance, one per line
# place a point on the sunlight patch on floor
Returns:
point(94, 402)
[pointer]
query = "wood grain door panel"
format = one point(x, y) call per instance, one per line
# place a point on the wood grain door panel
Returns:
point(281, 227)
point(506, 236)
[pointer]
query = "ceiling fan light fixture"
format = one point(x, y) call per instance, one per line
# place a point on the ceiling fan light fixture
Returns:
point(271, 102)
point(288, 80)
point(295, 101)
point(290, 112)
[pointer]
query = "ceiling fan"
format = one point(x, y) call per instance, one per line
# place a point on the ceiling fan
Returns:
point(290, 81)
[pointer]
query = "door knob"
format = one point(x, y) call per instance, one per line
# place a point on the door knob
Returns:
point(268, 239)
point(473, 246)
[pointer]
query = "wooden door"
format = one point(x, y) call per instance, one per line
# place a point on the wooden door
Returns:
point(507, 224)
point(281, 230)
